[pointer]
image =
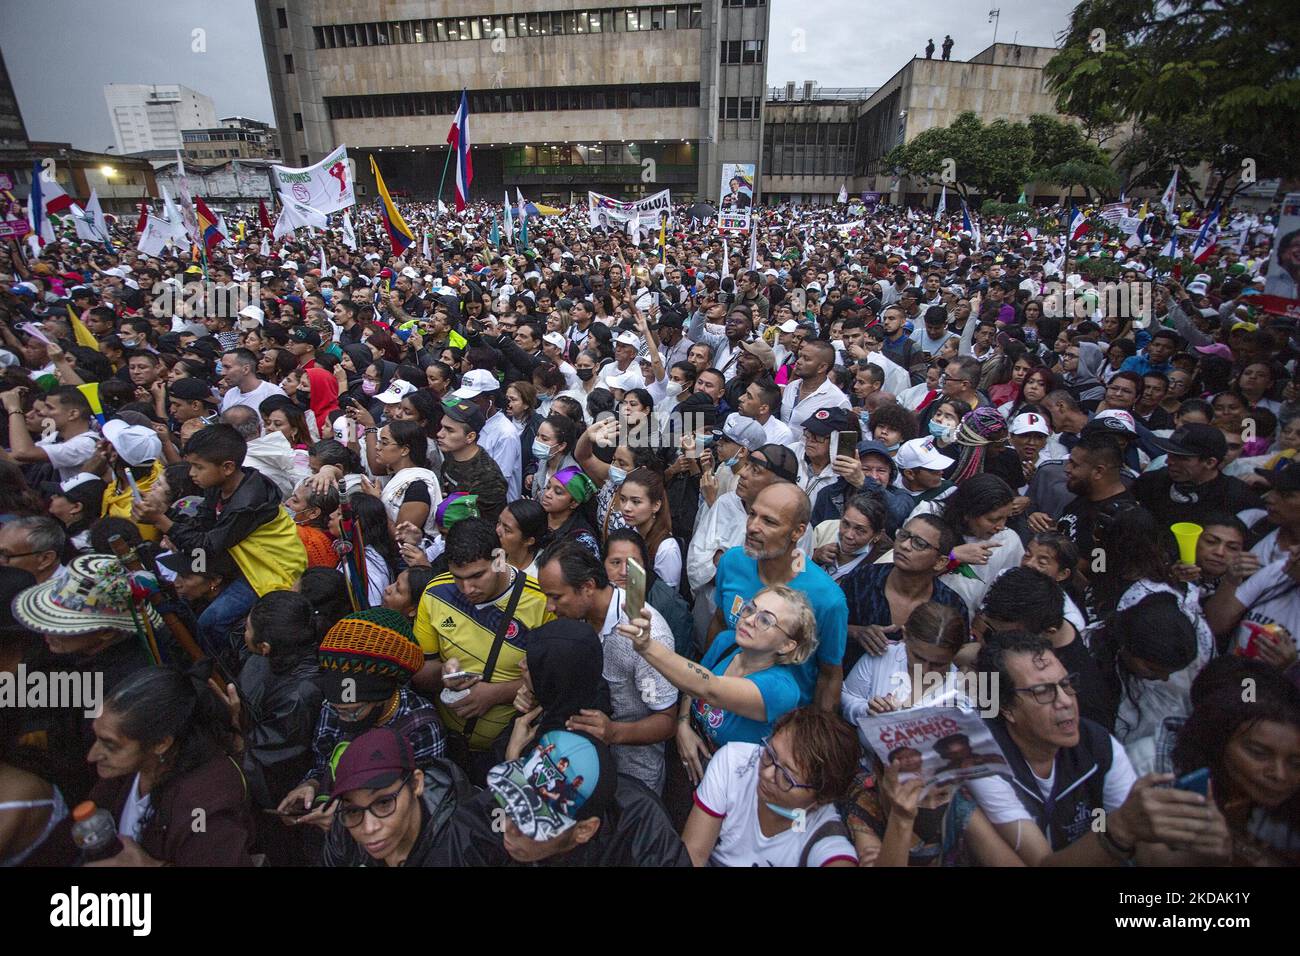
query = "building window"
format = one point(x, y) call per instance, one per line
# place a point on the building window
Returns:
point(630, 96)
point(753, 52)
point(297, 121)
point(288, 63)
point(282, 17)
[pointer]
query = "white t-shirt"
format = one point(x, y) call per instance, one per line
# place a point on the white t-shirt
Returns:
point(1282, 608)
point(973, 589)
point(998, 799)
point(69, 457)
point(133, 812)
point(730, 790)
point(668, 562)
point(252, 399)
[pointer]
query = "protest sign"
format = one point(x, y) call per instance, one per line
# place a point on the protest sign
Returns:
point(606, 212)
point(1281, 293)
point(737, 194)
point(941, 744)
point(326, 187)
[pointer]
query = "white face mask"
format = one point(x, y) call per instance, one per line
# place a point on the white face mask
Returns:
point(673, 389)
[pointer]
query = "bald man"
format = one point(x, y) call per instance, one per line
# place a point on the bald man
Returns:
point(776, 520)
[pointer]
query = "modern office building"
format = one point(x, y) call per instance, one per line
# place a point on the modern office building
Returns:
point(238, 137)
point(564, 95)
point(152, 116)
point(810, 142)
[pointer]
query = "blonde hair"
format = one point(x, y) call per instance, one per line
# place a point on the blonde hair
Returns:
point(805, 631)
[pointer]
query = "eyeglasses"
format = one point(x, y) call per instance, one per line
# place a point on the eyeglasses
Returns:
point(380, 809)
point(1046, 693)
point(764, 619)
point(914, 541)
point(786, 780)
point(7, 556)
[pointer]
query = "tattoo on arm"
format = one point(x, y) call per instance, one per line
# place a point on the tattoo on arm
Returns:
point(699, 671)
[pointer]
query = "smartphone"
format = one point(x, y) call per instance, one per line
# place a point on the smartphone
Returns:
point(458, 675)
point(847, 444)
point(1198, 781)
point(634, 603)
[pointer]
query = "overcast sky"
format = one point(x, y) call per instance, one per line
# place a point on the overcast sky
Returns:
point(60, 53)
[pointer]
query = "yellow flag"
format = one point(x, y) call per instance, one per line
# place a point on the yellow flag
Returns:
point(241, 231)
point(80, 333)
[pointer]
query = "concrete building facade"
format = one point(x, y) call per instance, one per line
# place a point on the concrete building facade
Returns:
point(565, 95)
point(238, 137)
point(152, 116)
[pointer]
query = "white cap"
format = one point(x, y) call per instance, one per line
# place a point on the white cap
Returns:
point(629, 380)
point(770, 272)
point(1203, 277)
point(475, 383)
point(396, 391)
point(813, 286)
point(627, 338)
point(410, 273)
point(291, 265)
point(554, 338)
point(135, 444)
point(1119, 416)
point(253, 314)
point(745, 432)
point(1197, 288)
point(788, 326)
point(80, 478)
point(921, 453)
point(1028, 423)
point(119, 272)
point(267, 274)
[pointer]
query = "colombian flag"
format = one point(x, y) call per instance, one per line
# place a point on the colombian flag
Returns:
point(80, 333)
point(399, 233)
point(208, 227)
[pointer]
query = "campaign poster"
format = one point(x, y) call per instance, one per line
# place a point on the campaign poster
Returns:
point(942, 745)
point(606, 212)
point(326, 187)
point(1282, 288)
point(737, 196)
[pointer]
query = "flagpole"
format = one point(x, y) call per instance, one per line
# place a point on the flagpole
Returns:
point(443, 178)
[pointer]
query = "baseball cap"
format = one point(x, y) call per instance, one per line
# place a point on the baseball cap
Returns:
point(627, 338)
point(1283, 476)
point(1114, 420)
point(566, 778)
point(921, 453)
point(190, 390)
point(466, 413)
point(788, 326)
point(827, 420)
point(136, 444)
point(779, 460)
point(252, 314)
point(761, 351)
point(745, 432)
point(305, 333)
point(475, 383)
point(1196, 288)
point(554, 338)
point(396, 391)
point(378, 758)
point(1029, 423)
point(1194, 440)
point(456, 507)
point(1215, 348)
point(627, 381)
point(410, 273)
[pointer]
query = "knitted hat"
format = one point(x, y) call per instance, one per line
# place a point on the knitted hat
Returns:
point(576, 483)
point(367, 655)
point(456, 507)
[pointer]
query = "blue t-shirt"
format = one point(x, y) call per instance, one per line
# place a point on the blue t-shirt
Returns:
point(737, 581)
point(778, 685)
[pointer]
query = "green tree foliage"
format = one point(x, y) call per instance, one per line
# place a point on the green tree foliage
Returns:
point(1213, 81)
point(993, 160)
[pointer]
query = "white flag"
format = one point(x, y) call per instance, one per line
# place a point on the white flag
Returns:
point(424, 246)
point(943, 202)
point(324, 266)
point(349, 236)
point(188, 217)
point(726, 260)
point(509, 220)
point(442, 208)
point(844, 193)
point(753, 245)
point(1170, 199)
point(296, 215)
point(265, 249)
point(155, 235)
point(225, 232)
point(173, 217)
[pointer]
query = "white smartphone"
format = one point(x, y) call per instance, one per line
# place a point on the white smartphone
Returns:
point(634, 603)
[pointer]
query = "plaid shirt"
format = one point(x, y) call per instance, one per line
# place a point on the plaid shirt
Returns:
point(416, 717)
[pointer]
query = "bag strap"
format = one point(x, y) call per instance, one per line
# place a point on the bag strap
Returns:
point(830, 828)
point(498, 640)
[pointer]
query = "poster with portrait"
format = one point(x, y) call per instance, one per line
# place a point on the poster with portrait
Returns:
point(606, 212)
point(325, 187)
point(941, 744)
point(736, 203)
point(1282, 288)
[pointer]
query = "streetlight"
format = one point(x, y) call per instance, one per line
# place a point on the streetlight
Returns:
point(107, 170)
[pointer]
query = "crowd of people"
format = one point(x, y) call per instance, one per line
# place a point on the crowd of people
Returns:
point(598, 551)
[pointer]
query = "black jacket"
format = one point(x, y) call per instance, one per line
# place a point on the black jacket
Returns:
point(255, 502)
point(445, 789)
point(282, 711)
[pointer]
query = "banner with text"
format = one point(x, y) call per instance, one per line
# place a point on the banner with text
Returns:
point(1282, 288)
point(325, 187)
point(607, 212)
point(737, 192)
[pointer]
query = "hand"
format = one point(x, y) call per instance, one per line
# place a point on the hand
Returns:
point(158, 389)
point(1277, 649)
point(638, 632)
point(1019, 504)
point(849, 468)
point(143, 394)
point(873, 637)
point(1185, 573)
point(407, 533)
point(324, 480)
point(341, 376)
point(1243, 566)
point(146, 511)
point(300, 797)
point(826, 554)
point(592, 722)
point(12, 400)
point(450, 666)
point(977, 552)
point(902, 797)
point(413, 555)
point(1157, 814)
point(228, 694)
point(693, 751)
point(479, 701)
point(708, 483)
point(163, 432)
point(371, 487)
point(522, 732)
point(1292, 567)
point(132, 855)
point(882, 705)
point(524, 700)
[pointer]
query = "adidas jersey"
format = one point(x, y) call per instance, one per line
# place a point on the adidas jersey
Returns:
point(448, 625)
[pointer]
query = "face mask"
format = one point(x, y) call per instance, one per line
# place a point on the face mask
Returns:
point(864, 419)
point(942, 432)
point(541, 450)
point(544, 402)
point(853, 554)
point(673, 389)
point(369, 387)
point(585, 374)
point(892, 448)
point(129, 344)
point(730, 462)
point(616, 474)
point(785, 812)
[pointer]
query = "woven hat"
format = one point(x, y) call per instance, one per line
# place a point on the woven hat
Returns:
point(94, 593)
point(367, 655)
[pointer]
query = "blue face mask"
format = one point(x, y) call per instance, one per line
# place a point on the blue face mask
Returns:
point(864, 419)
point(893, 448)
point(786, 812)
point(941, 432)
point(730, 462)
point(541, 450)
point(616, 474)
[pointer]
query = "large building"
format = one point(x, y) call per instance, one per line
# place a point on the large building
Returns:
point(810, 142)
point(564, 95)
point(238, 137)
point(151, 116)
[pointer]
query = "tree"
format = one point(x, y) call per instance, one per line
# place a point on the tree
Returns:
point(1210, 81)
point(993, 160)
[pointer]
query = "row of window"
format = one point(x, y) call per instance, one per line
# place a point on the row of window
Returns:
point(742, 51)
point(681, 16)
point(536, 100)
point(739, 107)
point(606, 154)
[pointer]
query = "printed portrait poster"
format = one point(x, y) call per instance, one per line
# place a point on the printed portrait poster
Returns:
point(942, 745)
point(606, 212)
point(1282, 288)
point(737, 196)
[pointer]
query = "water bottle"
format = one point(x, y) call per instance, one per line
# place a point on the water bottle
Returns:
point(94, 832)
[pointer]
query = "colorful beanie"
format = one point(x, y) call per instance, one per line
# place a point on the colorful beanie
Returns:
point(455, 507)
point(576, 483)
point(370, 653)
